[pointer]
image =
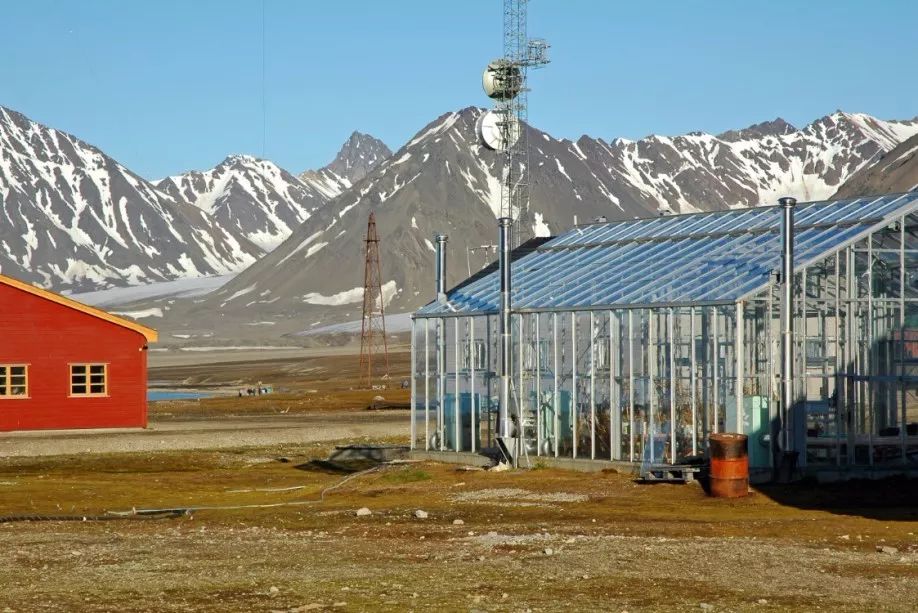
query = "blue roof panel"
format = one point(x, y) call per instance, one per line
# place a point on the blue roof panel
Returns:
point(680, 259)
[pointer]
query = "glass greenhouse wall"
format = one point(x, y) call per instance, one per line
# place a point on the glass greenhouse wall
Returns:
point(633, 341)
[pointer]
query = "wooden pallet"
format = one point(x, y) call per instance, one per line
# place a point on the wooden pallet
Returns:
point(669, 473)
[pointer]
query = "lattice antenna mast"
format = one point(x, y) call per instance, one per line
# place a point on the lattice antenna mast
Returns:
point(504, 129)
point(521, 54)
point(374, 349)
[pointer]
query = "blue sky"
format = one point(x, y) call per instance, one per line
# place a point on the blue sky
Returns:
point(168, 85)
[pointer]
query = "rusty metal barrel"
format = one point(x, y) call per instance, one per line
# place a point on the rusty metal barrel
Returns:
point(729, 465)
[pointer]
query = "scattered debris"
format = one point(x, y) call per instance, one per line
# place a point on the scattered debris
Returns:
point(887, 549)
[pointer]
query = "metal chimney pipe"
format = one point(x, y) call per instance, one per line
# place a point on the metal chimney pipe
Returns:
point(441, 265)
point(787, 323)
point(505, 424)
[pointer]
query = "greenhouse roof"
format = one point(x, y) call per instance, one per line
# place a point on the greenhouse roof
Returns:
point(703, 258)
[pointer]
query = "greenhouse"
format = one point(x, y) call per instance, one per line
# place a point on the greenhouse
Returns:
point(632, 341)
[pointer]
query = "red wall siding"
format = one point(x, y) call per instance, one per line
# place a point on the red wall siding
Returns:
point(49, 337)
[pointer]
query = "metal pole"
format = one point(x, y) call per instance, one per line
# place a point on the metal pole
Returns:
point(900, 391)
point(592, 386)
point(505, 425)
point(556, 393)
point(441, 381)
point(694, 383)
point(652, 400)
point(869, 350)
point(839, 394)
point(740, 366)
point(787, 321)
point(457, 404)
point(672, 385)
point(426, 385)
point(630, 385)
point(441, 266)
point(715, 372)
point(414, 404)
point(615, 409)
point(574, 408)
point(538, 381)
point(473, 346)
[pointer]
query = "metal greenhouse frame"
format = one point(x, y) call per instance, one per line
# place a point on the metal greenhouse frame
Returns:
point(632, 341)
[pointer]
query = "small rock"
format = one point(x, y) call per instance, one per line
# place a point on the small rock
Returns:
point(423, 537)
point(762, 601)
point(273, 590)
point(340, 604)
point(887, 549)
point(363, 512)
point(505, 595)
point(458, 522)
point(420, 514)
point(706, 606)
point(548, 551)
point(845, 537)
point(585, 577)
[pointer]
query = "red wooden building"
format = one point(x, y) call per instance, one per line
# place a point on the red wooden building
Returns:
point(67, 365)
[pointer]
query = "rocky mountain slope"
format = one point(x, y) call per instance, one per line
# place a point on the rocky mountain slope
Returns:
point(897, 171)
point(74, 218)
point(250, 196)
point(360, 154)
point(443, 180)
point(264, 202)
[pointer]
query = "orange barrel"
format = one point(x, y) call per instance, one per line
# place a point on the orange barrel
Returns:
point(729, 465)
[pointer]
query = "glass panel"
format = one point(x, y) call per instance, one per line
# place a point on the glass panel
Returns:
point(97, 368)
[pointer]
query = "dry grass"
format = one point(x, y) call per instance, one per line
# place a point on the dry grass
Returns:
point(615, 544)
point(541, 540)
point(328, 383)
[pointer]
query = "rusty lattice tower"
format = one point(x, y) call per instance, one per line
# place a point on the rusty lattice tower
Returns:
point(374, 350)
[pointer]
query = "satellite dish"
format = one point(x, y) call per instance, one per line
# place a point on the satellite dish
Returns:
point(498, 131)
point(502, 80)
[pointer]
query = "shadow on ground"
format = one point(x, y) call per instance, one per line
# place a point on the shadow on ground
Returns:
point(892, 499)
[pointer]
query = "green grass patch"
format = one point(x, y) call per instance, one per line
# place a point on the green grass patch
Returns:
point(410, 475)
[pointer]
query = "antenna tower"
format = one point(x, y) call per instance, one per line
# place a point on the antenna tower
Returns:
point(509, 91)
point(374, 350)
point(503, 129)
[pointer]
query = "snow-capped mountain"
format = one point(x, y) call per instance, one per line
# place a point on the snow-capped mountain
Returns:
point(360, 154)
point(74, 218)
point(264, 202)
point(250, 196)
point(442, 180)
point(896, 171)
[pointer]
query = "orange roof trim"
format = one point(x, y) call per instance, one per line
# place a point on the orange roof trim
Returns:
point(148, 333)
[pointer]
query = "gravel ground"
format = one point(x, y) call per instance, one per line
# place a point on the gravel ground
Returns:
point(543, 540)
point(219, 433)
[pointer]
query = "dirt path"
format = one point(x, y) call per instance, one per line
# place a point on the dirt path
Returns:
point(223, 433)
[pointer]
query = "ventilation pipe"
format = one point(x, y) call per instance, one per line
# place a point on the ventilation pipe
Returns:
point(441, 266)
point(789, 419)
point(505, 433)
